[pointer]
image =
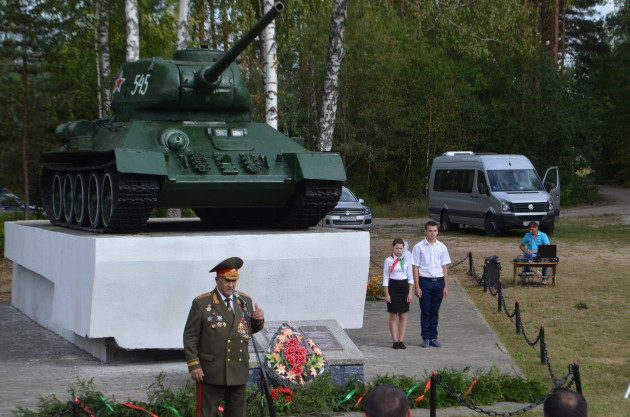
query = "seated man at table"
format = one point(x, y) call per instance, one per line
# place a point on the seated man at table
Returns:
point(529, 245)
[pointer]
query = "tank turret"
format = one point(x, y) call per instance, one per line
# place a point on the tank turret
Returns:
point(181, 136)
point(201, 81)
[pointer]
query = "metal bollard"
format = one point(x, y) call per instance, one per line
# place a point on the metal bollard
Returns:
point(542, 344)
point(517, 315)
point(499, 296)
point(576, 376)
point(433, 395)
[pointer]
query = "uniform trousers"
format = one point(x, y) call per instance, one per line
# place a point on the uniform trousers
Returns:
point(233, 395)
point(432, 294)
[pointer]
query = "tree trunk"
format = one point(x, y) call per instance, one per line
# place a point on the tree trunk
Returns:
point(271, 70)
point(105, 64)
point(132, 51)
point(331, 78)
point(99, 81)
point(25, 127)
point(182, 24)
point(213, 28)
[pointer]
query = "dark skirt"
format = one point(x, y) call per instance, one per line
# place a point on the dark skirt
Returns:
point(398, 290)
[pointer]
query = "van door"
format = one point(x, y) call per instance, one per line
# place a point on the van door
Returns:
point(481, 199)
point(551, 181)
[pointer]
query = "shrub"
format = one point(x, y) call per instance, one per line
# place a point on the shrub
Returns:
point(375, 288)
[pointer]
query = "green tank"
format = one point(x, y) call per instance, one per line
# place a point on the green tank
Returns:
point(181, 136)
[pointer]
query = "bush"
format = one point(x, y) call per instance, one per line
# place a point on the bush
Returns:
point(318, 397)
point(374, 288)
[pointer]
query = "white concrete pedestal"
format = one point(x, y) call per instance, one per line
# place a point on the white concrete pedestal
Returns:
point(137, 289)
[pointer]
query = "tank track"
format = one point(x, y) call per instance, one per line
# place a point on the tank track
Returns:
point(135, 196)
point(311, 201)
point(310, 204)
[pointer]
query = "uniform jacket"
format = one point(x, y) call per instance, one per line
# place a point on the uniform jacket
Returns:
point(217, 340)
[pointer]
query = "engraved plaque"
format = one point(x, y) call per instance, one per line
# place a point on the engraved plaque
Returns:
point(321, 336)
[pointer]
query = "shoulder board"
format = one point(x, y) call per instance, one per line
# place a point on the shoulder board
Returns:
point(244, 295)
point(203, 295)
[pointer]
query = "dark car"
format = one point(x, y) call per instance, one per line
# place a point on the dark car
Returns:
point(12, 205)
point(349, 213)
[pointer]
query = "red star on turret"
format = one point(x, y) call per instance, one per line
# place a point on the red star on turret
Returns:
point(119, 82)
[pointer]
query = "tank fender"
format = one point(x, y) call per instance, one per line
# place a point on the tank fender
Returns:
point(140, 162)
point(315, 166)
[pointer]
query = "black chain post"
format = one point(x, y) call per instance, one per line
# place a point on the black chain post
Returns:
point(499, 296)
point(576, 376)
point(541, 336)
point(484, 278)
point(517, 313)
point(471, 268)
point(433, 394)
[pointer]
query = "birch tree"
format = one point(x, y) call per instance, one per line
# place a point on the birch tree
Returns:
point(182, 24)
point(331, 79)
point(132, 50)
point(271, 70)
point(104, 69)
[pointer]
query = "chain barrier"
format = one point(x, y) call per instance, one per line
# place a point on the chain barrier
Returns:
point(505, 309)
point(563, 382)
point(497, 292)
point(480, 410)
point(522, 329)
point(557, 382)
point(458, 263)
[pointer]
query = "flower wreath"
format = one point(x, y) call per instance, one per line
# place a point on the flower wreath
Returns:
point(293, 359)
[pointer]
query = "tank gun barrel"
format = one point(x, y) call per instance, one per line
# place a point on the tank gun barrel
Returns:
point(212, 73)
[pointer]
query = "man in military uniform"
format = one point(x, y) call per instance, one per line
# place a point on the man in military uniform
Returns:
point(216, 337)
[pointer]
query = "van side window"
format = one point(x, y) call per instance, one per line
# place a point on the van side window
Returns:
point(454, 180)
point(481, 181)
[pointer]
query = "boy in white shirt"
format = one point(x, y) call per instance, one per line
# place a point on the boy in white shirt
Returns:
point(430, 274)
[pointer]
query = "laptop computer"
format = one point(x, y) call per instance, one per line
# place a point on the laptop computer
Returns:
point(547, 251)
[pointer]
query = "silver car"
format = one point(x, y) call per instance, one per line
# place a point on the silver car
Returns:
point(349, 213)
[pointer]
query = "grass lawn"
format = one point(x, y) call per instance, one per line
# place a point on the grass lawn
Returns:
point(586, 316)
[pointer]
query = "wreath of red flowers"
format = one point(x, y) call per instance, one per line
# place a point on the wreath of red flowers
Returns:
point(293, 358)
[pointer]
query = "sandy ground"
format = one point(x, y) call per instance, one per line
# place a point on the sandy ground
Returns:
point(615, 202)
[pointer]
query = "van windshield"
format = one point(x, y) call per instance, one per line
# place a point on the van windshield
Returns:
point(515, 180)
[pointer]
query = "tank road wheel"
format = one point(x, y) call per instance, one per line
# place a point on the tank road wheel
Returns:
point(57, 197)
point(127, 200)
point(445, 223)
point(94, 200)
point(492, 228)
point(68, 198)
point(80, 199)
point(109, 194)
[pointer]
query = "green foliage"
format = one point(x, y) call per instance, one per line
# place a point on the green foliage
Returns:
point(419, 78)
point(319, 397)
point(519, 389)
point(578, 190)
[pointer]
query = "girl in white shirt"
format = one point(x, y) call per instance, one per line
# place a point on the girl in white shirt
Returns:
point(398, 284)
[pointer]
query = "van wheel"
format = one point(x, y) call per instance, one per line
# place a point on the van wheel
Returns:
point(492, 227)
point(549, 228)
point(445, 223)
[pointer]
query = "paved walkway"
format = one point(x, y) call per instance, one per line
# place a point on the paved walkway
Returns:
point(35, 362)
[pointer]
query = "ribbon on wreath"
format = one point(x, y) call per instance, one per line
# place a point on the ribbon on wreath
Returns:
point(139, 408)
point(426, 388)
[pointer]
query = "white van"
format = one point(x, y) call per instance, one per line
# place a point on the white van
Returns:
point(497, 192)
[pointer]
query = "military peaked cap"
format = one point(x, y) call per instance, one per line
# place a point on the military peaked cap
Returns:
point(228, 268)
